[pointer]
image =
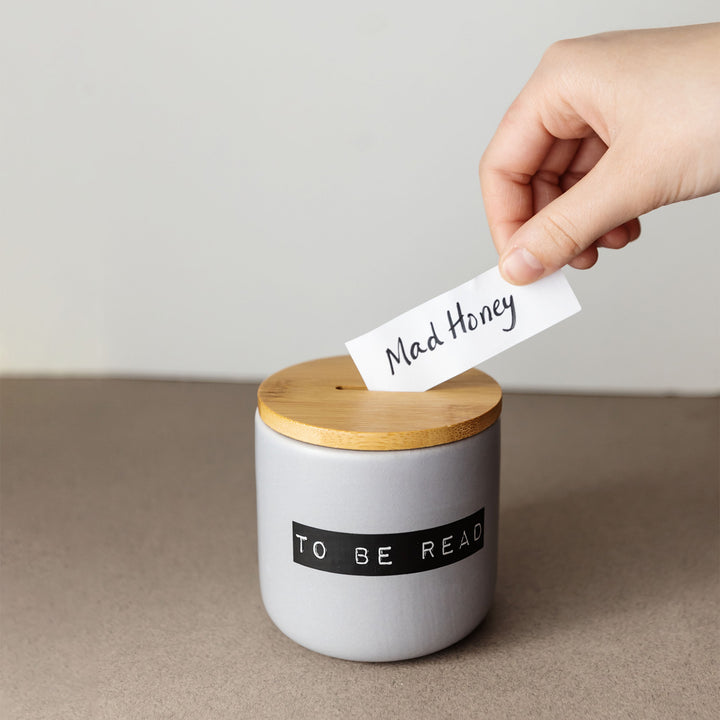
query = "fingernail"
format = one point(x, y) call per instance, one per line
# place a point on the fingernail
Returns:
point(520, 266)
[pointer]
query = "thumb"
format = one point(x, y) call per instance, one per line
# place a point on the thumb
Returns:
point(569, 225)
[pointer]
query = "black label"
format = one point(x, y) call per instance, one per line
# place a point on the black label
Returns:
point(388, 553)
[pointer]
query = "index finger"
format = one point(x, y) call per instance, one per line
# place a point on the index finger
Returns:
point(515, 153)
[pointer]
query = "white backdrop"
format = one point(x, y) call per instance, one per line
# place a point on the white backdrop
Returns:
point(221, 189)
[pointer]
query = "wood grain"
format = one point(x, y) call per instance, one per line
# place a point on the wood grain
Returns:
point(325, 402)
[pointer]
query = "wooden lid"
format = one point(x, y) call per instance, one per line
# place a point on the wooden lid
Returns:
point(325, 402)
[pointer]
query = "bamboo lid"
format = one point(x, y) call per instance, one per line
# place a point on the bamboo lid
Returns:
point(325, 402)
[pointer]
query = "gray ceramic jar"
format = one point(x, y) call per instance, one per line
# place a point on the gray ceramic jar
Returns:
point(377, 511)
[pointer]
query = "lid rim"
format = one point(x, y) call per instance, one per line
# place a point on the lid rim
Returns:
point(376, 441)
point(324, 402)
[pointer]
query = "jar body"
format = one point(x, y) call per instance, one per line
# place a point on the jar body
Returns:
point(377, 555)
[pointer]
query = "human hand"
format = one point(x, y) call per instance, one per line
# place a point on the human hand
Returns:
point(608, 128)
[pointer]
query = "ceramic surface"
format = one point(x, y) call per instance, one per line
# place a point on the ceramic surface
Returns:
point(377, 501)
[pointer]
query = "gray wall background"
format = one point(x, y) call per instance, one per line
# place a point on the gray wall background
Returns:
point(219, 190)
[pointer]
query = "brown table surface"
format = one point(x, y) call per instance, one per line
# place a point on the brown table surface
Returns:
point(129, 571)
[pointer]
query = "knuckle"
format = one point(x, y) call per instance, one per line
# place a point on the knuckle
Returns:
point(559, 50)
point(563, 236)
point(483, 167)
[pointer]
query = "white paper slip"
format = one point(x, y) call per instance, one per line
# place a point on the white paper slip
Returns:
point(459, 329)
